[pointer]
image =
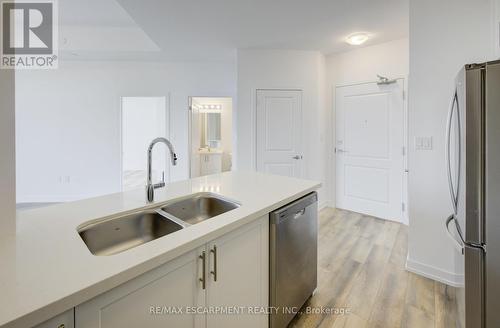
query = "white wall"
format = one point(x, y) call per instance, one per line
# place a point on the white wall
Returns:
point(283, 69)
point(227, 133)
point(389, 59)
point(496, 28)
point(444, 35)
point(144, 119)
point(7, 155)
point(68, 121)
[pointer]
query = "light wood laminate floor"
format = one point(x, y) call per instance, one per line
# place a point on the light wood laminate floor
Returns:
point(361, 269)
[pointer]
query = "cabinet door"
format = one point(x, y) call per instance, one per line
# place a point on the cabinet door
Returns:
point(64, 320)
point(205, 165)
point(216, 163)
point(211, 164)
point(152, 300)
point(239, 275)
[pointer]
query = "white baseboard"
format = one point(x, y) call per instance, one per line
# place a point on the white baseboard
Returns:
point(322, 205)
point(448, 278)
point(325, 203)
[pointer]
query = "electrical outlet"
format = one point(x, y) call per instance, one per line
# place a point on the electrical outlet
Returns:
point(423, 143)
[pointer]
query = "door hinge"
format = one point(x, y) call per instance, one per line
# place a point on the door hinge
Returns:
point(403, 207)
point(404, 95)
point(403, 150)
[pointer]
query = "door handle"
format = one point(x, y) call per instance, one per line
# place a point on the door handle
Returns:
point(214, 272)
point(338, 150)
point(297, 157)
point(203, 281)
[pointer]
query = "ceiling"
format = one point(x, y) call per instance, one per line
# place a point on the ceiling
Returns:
point(214, 29)
point(93, 13)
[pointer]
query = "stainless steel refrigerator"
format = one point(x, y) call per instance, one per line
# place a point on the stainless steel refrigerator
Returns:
point(473, 165)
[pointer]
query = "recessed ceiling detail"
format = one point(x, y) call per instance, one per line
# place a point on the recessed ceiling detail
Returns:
point(181, 28)
point(180, 31)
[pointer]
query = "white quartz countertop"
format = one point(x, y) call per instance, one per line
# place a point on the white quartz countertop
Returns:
point(47, 269)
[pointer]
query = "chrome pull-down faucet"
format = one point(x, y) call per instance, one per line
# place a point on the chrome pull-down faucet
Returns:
point(150, 187)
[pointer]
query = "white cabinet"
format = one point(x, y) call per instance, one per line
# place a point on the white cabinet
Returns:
point(64, 320)
point(174, 295)
point(239, 270)
point(146, 300)
point(210, 163)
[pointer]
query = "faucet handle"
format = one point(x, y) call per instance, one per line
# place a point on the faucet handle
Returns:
point(160, 184)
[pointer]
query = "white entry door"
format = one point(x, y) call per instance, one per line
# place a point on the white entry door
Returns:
point(370, 149)
point(279, 133)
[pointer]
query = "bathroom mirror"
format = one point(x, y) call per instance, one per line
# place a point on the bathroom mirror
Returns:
point(211, 126)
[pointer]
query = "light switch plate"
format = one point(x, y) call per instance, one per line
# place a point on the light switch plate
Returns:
point(423, 143)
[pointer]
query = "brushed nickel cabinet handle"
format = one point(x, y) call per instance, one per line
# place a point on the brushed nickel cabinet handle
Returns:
point(203, 270)
point(214, 272)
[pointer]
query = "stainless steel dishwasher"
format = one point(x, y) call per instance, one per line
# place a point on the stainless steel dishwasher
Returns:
point(293, 247)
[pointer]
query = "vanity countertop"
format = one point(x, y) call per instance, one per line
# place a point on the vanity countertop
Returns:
point(210, 152)
point(47, 269)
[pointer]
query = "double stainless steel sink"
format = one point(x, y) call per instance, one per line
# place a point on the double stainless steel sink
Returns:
point(198, 208)
point(115, 235)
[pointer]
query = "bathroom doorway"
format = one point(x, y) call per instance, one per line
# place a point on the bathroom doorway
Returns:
point(211, 135)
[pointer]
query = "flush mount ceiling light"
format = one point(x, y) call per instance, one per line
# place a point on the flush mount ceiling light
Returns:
point(357, 39)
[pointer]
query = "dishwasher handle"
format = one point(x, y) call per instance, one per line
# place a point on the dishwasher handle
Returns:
point(293, 210)
point(299, 213)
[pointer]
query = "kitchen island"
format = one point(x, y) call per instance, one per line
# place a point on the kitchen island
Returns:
point(48, 270)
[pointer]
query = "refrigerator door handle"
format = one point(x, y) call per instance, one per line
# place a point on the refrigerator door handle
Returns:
point(447, 154)
point(453, 194)
point(459, 245)
point(459, 166)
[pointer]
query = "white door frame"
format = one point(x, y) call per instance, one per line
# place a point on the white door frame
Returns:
point(254, 123)
point(120, 129)
point(190, 126)
point(333, 161)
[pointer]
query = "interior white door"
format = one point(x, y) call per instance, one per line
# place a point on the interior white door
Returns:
point(370, 149)
point(279, 133)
